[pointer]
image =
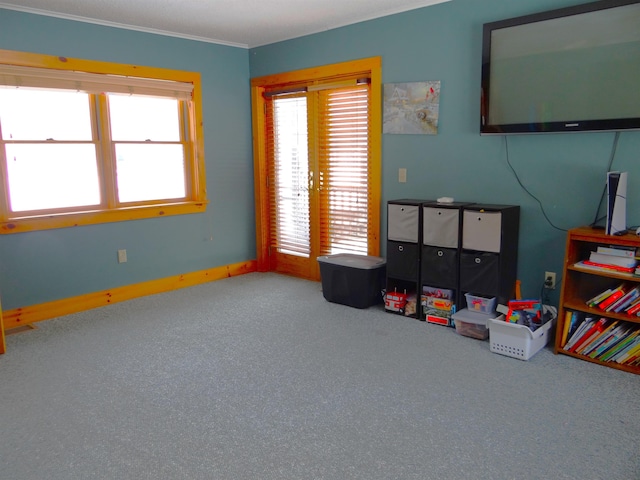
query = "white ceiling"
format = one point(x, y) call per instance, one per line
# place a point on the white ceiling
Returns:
point(241, 23)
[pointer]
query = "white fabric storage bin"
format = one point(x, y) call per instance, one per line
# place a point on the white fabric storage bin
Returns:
point(440, 227)
point(404, 223)
point(482, 231)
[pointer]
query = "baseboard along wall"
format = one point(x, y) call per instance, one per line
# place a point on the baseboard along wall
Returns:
point(45, 311)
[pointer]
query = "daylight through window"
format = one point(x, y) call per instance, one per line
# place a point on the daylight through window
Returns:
point(78, 147)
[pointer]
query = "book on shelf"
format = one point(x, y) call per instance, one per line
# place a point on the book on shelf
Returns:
point(617, 250)
point(573, 321)
point(625, 354)
point(603, 267)
point(614, 336)
point(611, 353)
point(634, 308)
point(607, 259)
point(607, 341)
point(595, 328)
point(633, 354)
point(611, 299)
point(565, 327)
point(610, 334)
point(624, 301)
point(593, 301)
point(625, 336)
point(584, 323)
point(597, 339)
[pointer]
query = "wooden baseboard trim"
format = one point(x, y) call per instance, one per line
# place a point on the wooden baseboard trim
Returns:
point(45, 311)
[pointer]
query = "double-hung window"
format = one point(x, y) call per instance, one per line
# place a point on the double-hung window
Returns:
point(89, 142)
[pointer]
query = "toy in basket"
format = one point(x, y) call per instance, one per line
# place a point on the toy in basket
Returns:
point(519, 340)
point(525, 312)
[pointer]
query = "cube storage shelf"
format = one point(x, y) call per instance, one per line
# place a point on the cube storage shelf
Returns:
point(404, 236)
point(441, 248)
point(581, 284)
point(489, 258)
point(444, 251)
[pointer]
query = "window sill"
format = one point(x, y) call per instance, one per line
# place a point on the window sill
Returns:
point(76, 219)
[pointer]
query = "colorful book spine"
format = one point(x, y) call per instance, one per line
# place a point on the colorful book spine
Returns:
point(633, 354)
point(611, 299)
point(634, 308)
point(626, 353)
point(565, 327)
point(619, 251)
point(625, 301)
point(609, 354)
point(591, 346)
point(605, 259)
point(581, 330)
point(616, 335)
point(604, 267)
point(592, 302)
point(589, 334)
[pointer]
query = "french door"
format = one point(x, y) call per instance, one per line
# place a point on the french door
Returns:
point(321, 180)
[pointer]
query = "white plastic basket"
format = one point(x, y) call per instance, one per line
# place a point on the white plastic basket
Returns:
point(517, 341)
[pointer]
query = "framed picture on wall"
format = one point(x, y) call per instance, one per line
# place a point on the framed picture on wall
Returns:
point(411, 108)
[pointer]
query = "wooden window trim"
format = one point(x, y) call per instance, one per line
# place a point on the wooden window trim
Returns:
point(196, 200)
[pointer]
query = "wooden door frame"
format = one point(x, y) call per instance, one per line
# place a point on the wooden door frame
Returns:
point(372, 68)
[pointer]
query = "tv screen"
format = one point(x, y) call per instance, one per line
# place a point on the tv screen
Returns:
point(569, 70)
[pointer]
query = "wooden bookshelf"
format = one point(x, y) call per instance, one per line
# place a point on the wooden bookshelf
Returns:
point(581, 284)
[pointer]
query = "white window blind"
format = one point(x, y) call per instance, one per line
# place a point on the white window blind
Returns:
point(340, 156)
point(20, 76)
point(343, 157)
point(287, 138)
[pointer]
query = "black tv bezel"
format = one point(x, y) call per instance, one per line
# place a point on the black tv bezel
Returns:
point(577, 125)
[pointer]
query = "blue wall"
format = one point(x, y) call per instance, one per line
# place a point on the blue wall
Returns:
point(566, 172)
point(47, 265)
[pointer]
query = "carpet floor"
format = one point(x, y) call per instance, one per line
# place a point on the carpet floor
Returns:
point(259, 377)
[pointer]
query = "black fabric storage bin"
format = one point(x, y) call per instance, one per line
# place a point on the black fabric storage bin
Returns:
point(403, 260)
point(439, 266)
point(480, 272)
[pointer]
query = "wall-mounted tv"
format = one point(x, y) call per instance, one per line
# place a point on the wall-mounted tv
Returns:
point(574, 69)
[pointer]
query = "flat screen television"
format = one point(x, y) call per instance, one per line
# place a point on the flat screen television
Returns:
point(574, 69)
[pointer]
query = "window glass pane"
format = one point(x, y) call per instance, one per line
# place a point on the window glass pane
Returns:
point(291, 174)
point(150, 172)
point(39, 114)
point(141, 118)
point(52, 176)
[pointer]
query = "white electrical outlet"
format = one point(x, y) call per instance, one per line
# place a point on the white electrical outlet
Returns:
point(402, 175)
point(550, 277)
point(122, 256)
